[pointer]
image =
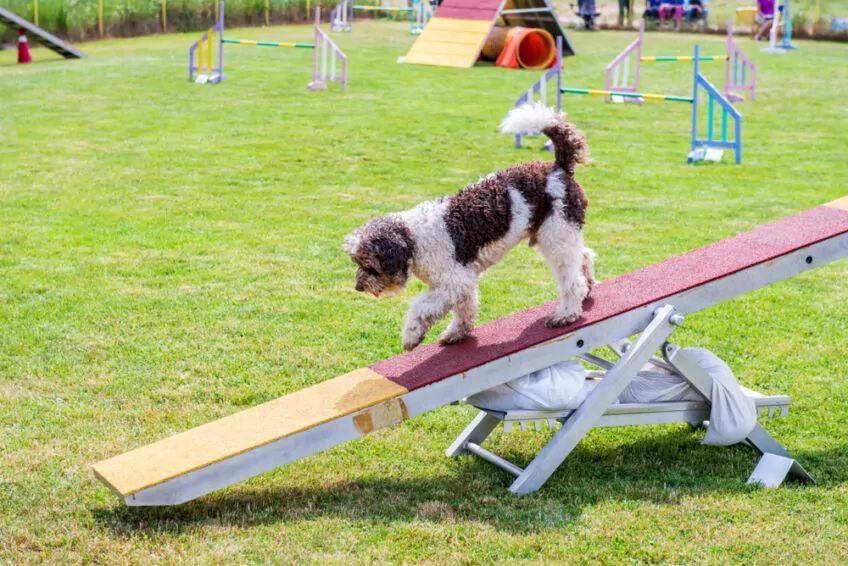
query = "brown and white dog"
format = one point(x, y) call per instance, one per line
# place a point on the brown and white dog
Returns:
point(448, 243)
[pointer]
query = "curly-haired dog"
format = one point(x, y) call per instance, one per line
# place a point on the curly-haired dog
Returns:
point(448, 243)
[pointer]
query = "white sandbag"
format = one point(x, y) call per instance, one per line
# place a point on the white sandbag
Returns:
point(559, 387)
point(733, 414)
point(659, 387)
point(564, 386)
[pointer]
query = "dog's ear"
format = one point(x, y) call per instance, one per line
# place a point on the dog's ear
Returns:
point(351, 242)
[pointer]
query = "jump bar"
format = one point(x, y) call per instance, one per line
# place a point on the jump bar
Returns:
point(641, 95)
point(248, 443)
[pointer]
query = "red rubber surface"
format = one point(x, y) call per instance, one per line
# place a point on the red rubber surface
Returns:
point(432, 363)
point(469, 9)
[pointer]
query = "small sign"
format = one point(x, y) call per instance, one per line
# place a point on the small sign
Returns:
point(713, 154)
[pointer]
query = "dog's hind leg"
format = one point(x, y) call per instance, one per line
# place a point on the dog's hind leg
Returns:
point(464, 315)
point(561, 244)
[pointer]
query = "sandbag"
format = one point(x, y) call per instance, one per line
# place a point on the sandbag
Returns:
point(562, 386)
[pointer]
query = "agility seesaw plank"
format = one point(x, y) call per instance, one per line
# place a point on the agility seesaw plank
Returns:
point(41, 35)
point(248, 443)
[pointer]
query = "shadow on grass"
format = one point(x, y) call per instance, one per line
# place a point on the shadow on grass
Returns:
point(662, 469)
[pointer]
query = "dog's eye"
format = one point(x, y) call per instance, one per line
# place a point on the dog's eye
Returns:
point(370, 271)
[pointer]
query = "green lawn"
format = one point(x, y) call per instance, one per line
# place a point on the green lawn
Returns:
point(170, 253)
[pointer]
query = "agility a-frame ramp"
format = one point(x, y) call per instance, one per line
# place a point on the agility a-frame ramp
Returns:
point(40, 35)
point(650, 302)
point(455, 35)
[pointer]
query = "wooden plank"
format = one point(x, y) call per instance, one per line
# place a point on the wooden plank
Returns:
point(455, 24)
point(841, 203)
point(450, 43)
point(252, 428)
point(441, 60)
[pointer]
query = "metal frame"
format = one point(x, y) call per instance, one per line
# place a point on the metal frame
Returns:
point(329, 63)
point(496, 372)
point(697, 145)
point(700, 145)
point(785, 41)
point(342, 16)
point(624, 71)
point(599, 410)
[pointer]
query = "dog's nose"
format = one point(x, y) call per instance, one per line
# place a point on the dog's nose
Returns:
point(359, 286)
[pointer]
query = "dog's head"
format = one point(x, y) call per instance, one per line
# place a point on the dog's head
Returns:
point(383, 251)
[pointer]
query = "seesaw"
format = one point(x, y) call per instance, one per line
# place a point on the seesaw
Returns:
point(650, 302)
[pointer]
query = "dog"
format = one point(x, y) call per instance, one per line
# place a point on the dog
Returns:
point(448, 243)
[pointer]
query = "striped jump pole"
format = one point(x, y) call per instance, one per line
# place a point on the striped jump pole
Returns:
point(257, 43)
point(681, 58)
point(626, 94)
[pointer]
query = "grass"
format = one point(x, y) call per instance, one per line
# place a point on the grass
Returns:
point(170, 253)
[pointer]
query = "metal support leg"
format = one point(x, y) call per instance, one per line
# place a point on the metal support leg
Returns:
point(605, 394)
point(476, 432)
point(776, 462)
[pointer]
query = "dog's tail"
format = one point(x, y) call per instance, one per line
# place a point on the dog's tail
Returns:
point(569, 144)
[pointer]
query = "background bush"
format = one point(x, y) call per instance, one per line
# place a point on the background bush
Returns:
point(77, 19)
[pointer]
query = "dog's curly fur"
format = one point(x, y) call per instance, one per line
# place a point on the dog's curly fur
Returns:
point(448, 243)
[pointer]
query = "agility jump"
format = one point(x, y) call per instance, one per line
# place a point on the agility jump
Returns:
point(650, 302)
point(420, 12)
point(782, 18)
point(624, 71)
point(720, 131)
point(329, 63)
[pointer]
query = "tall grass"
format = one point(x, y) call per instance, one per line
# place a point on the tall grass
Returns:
point(78, 19)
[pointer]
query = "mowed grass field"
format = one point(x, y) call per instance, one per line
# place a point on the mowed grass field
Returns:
point(170, 253)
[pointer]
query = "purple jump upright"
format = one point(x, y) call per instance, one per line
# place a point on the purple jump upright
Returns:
point(624, 71)
point(740, 73)
point(329, 63)
point(325, 56)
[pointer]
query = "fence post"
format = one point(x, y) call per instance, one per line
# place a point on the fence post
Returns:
point(100, 17)
point(267, 12)
point(164, 15)
point(35, 11)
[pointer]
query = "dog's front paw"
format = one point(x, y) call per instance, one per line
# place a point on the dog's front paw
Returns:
point(411, 340)
point(452, 336)
point(558, 319)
